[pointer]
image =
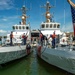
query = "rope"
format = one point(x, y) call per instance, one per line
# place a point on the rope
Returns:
point(44, 49)
point(21, 48)
point(19, 45)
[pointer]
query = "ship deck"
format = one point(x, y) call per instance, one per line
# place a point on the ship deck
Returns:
point(12, 48)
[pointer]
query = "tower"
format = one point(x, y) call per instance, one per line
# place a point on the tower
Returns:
point(23, 17)
point(47, 14)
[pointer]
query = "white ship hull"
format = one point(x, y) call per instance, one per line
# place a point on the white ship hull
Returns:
point(12, 53)
point(60, 57)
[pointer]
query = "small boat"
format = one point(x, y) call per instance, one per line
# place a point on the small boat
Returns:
point(17, 49)
point(34, 37)
point(62, 57)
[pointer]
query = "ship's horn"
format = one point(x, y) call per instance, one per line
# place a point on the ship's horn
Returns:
point(71, 3)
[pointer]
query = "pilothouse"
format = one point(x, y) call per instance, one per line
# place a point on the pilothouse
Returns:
point(61, 56)
point(20, 29)
point(18, 42)
point(49, 26)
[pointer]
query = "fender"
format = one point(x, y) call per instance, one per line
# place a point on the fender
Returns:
point(71, 3)
point(28, 48)
point(39, 50)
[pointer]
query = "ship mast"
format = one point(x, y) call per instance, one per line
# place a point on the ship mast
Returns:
point(23, 17)
point(47, 14)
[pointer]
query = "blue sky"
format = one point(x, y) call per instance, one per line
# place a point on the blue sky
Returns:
point(10, 13)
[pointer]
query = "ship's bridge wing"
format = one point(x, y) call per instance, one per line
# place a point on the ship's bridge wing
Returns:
point(51, 32)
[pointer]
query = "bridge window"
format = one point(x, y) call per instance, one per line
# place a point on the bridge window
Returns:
point(47, 25)
point(42, 26)
point(16, 27)
point(58, 26)
point(19, 27)
point(33, 34)
point(13, 27)
point(27, 27)
point(50, 25)
point(23, 27)
point(54, 25)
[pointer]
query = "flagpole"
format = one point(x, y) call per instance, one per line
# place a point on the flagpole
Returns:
point(73, 18)
point(64, 13)
point(72, 5)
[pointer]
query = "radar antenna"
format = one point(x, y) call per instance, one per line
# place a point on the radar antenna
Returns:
point(23, 17)
point(47, 14)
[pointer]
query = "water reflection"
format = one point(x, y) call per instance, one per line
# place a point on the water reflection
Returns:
point(30, 65)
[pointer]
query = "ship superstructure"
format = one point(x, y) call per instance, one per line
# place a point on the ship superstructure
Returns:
point(49, 26)
point(61, 56)
point(18, 48)
point(21, 28)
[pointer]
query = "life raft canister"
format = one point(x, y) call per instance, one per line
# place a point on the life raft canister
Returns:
point(28, 47)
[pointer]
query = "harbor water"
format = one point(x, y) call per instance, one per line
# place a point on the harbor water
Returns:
point(30, 65)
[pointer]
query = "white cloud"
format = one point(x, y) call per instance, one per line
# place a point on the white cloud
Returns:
point(3, 31)
point(7, 22)
point(4, 19)
point(6, 4)
point(4, 27)
point(12, 17)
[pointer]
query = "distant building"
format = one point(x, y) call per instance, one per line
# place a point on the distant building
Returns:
point(35, 35)
point(69, 33)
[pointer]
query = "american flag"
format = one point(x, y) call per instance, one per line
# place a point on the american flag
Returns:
point(73, 17)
